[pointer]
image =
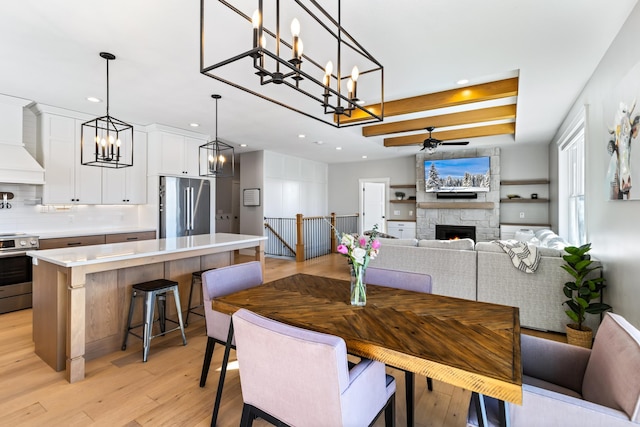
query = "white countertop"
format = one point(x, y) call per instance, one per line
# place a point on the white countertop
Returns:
point(84, 255)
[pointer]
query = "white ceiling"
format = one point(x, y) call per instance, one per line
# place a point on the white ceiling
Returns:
point(49, 54)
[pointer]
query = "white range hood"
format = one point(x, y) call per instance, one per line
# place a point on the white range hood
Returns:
point(17, 166)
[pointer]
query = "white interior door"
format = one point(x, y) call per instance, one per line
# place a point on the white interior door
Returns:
point(374, 204)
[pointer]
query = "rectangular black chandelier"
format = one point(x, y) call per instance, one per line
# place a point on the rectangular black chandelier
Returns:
point(259, 48)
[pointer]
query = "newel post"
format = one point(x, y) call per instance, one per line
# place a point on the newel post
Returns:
point(299, 238)
point(334, 244)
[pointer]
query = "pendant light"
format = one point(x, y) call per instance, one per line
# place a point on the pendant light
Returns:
point(216, 158)
point(106, 141)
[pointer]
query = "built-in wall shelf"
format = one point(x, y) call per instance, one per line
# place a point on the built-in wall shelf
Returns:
point(523, 200)
point(525, 182)
point(403, 186)
point(456, 205)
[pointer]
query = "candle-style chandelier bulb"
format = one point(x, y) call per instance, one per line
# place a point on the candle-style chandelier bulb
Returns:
point(328, 69)
point(255, 19)
point(355, 73)
point(295, 27)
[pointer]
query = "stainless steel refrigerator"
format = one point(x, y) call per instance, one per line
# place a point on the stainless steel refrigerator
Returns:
point(184, 206)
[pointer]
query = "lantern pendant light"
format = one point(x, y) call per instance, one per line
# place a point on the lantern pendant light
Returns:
point(216, 157)
point(106, 141)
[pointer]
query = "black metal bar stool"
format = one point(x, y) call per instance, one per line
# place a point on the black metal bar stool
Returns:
point(154, 292)
point(196, 281)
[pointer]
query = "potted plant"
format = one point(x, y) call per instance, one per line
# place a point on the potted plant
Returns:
point(400, 195)
point(581, 291)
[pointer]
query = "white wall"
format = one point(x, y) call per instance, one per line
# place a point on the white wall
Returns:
point(613, 227)
point(524, 162)
point(344, 179)
point(294, 185)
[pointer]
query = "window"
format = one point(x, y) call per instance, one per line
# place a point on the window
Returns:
point(571, 178)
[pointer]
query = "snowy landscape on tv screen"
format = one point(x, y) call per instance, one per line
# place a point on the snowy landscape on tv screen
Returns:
point(457, 175)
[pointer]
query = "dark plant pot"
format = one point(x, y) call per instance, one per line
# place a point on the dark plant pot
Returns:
point(581, 338)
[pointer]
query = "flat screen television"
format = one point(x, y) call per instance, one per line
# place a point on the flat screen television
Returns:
point(470, 174)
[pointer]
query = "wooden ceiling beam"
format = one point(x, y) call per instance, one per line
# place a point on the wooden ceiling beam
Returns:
point(448, 98)
point(473, 132)
point(502, 112)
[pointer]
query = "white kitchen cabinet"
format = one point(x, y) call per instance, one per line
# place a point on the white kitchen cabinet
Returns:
point(66, 180)
point(128, 185)
point(402, 229)
point(173, 154)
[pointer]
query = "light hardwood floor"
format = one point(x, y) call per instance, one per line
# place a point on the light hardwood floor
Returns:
point(120, 390)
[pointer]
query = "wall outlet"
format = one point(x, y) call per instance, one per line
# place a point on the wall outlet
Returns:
point(396, 213)
point(521, 214)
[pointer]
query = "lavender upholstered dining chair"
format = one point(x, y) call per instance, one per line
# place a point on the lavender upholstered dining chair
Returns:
point(416, 282)
point(565, 385)
point(217, 283)
point(299, 377)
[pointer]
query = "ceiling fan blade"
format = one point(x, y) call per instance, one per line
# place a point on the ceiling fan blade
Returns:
point(456, 143)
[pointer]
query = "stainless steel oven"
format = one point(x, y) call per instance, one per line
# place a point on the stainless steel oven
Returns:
point(15, 271)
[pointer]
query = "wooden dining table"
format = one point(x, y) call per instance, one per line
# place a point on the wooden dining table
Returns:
point(468, 344)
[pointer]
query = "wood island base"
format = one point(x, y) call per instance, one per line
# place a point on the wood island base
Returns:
point(80, 310)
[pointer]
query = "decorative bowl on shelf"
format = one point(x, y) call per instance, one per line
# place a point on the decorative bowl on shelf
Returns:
point(513, 196)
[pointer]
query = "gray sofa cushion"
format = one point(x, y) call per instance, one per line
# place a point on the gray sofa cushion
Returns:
point(459, 244)
point(453, 272)
point(397, 242)
point(492, 247)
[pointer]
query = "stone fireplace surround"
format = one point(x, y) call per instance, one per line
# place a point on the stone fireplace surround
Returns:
point(431, 211)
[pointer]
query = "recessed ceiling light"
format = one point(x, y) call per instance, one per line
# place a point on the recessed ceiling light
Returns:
point(302, 135)
point(194, 125)
point(338, 148)
point(243, 145)
point(462, 81)
point(364, 157)
point(319, 142)
point(360, 102)
point(93, 99)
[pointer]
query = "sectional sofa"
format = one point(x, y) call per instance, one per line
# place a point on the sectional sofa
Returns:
point(484, 272)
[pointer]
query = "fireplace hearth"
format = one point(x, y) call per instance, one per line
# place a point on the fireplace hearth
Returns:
point(453, 232)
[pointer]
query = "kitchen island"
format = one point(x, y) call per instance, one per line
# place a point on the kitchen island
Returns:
point(81, 295)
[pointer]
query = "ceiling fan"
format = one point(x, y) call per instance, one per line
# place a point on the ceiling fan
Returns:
point(430, 144)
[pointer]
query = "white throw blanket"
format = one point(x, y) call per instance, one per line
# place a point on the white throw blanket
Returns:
point(524, 257)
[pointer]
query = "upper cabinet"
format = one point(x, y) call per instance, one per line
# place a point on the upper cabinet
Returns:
point(67, 181)
point(172, 153)
point(128, 185)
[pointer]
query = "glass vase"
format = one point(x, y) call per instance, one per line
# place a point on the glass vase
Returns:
point(358, 287)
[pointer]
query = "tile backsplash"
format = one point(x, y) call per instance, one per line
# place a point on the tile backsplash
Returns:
point(26, 216)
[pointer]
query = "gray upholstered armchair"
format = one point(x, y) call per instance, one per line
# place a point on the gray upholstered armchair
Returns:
point(301, 378)
point(566, 385)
